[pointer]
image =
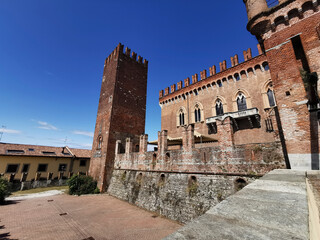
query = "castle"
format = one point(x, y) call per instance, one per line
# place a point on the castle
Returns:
point(221, 130)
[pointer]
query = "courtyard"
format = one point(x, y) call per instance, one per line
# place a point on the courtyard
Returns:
point(80, 217)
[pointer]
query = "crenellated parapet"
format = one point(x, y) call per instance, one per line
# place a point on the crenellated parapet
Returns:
point(227, 158)
point(266, 17)
point(216, 80)
point(120, 50)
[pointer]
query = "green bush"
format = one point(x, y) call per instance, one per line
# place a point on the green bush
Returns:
point(80, 184)
point(4, 189)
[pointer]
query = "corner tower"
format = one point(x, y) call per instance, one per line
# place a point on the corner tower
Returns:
point(289, 34)
point(121, 110)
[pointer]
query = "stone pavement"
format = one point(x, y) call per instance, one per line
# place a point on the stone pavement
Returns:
point(72, 217)
point(273, 207)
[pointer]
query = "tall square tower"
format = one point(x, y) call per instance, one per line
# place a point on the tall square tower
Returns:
point(121, 110)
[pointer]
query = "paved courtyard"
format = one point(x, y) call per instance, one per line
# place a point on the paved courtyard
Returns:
point(85, 217)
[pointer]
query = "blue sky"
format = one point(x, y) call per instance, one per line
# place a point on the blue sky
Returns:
point(52, 54)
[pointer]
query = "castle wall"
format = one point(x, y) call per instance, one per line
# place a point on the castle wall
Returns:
point(184, 184)
point(289, 33)
point(299, 130)
point(250, 159)
point(178, 196)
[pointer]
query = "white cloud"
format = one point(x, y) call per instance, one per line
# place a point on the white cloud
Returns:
point(84, 133)
point(10, 131)
point(70, 143)
point(47, 126)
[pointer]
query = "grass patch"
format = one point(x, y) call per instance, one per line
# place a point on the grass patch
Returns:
point(38, 190)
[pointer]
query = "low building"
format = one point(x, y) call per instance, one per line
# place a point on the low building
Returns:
point(32, 162)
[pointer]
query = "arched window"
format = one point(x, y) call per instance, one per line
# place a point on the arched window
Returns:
point(181, 117)
point(219, 107)
point(99, 142)
point(265, 66)
point(272, 102)
point(241, 102)
point(197, 113)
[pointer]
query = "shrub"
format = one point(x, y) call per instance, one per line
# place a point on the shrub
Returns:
point(79, 184)
point(4, 189)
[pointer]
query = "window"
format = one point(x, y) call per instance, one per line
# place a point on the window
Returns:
point(181, 118)
point(83, 163)
point(25, 168)
point(12, 168)
point(219, 83)
point(99, 142)
point(31, 149)
point(265, 66)
point(137, 148)
point(62, 167)
point(219, 108)
point(197, 114)
point(237, 77)
point(14, 151)
point(48, 153)
point(241, 102)
point(42, 167)
point(271, 98)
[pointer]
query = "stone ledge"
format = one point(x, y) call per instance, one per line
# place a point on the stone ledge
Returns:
point(273, 207)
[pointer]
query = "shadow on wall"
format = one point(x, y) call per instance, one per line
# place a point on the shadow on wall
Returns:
point(314, 139)
point(310, 82)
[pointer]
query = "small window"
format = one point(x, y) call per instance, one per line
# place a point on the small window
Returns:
point(271, 98)
point(241, 102)
point(239, 184)
point(48, 153)
point(31, 149)
point(62, 167)
point(181, 118)
point(219, 108)
point(137, 148)
point(83, 163)
point(237, 77)
point(25, 168)
point(266, 66)
point(219, 83)
point(12, 168)
point(14, 151)
point(42, 167)
point(197, 114)
point(99, 142)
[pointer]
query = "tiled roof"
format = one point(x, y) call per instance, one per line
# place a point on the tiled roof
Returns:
point(10, 149)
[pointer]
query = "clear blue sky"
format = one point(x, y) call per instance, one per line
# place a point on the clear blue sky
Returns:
point(52, 54)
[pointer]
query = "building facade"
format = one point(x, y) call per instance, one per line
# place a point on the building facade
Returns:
point(271, 97)
point(243, 92)
point(20, 162)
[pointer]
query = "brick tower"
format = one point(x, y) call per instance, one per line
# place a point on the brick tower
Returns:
point(121, 111)
point(288, 31)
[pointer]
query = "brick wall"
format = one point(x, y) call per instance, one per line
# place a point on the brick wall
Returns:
point(282, 27)
point(121, 111)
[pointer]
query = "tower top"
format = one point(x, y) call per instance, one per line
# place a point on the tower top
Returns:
point(118, 51)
